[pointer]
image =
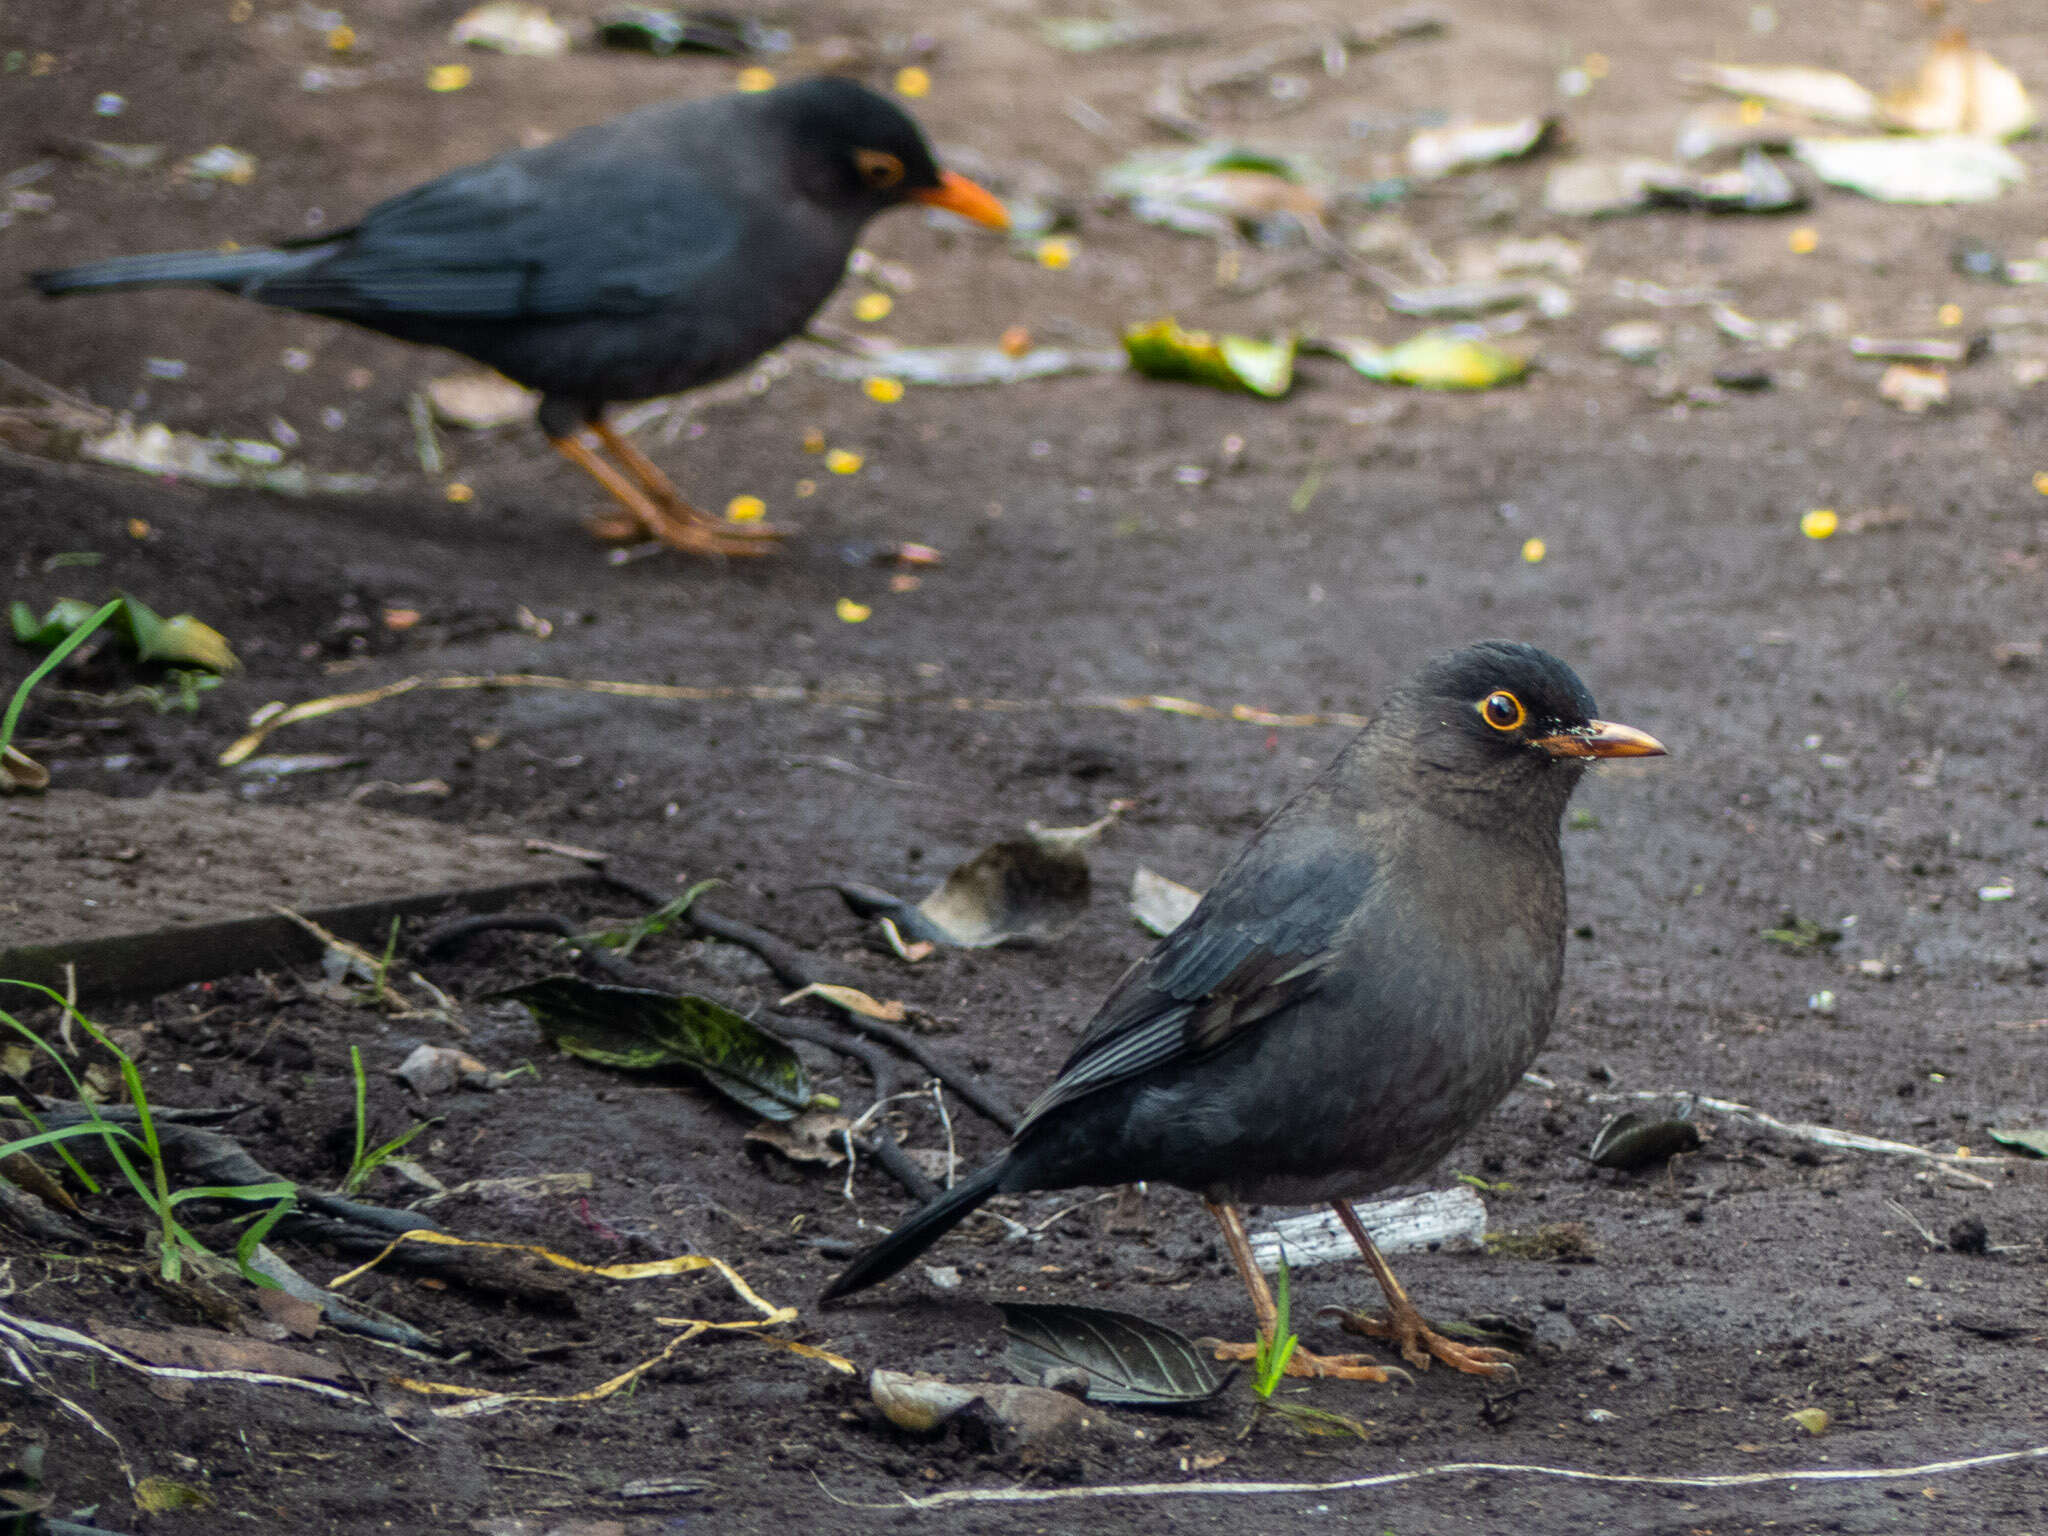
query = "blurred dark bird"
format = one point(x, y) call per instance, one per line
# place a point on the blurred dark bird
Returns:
point(641, 256)
point(1363, 983)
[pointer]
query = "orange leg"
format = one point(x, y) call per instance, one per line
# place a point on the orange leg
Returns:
point(641, 515)
point(1301, 1362)
point(663, 490)
point(1418, 1342)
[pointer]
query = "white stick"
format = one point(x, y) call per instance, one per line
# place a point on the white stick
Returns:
point(1427, 1220)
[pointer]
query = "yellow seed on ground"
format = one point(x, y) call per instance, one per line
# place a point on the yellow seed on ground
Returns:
point(851, 612)
point(814, 440)
point(2041, 481)
point(872, 307)
point(138, 527)
point(912, 81)
point(1056, 254)
point(341, 38)
point(1820, 523)
point(754, 78)
point(448, 77)
point(843, 461)
point(882, 389)
point(459, 491)
point(1950, 314)
point(1533, 551)
point(1750, 113)
point(806, 488)
point(1804, 240)
point(746, 509)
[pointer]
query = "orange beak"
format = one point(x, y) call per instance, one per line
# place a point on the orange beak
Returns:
point(1601, 738)
point(956, 194)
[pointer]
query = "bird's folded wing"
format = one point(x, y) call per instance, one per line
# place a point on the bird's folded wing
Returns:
point(497, 241)
point(1259, 942)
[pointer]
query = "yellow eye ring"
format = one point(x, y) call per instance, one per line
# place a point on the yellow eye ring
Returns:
point(1502, 710)
point(878, 168)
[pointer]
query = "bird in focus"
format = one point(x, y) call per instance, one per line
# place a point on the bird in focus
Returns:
point(1367, 979)
point(661, 250)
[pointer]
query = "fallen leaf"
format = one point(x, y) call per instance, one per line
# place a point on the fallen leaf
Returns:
point(640, 1030)
point(1631, 1140)
point(1947, 168)
point(1434, 152)
point(1961, 89)
point(815, 1136)
point(1127, 1359)
point(2034, 1143)
point(1160, 905)
point(1433, 360)
point(1827, 94)
point(1162, 350)
point(21, 774)
point(1813, 1420)
point(852, 999)
point(480, 400)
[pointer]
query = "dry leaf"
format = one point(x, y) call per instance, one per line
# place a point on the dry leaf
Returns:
point(1961, 89)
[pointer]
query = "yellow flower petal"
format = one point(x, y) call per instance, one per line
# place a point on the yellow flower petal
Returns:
point(1804, 240)
point(851, 612)
point(1950, 314)
point(754, 78)
point(457, 491)
point(882, 389)
point(1820, 523)
point(843, 461)
point(912, 81)
point(342, 38)
point(448, 77)
point(1533, 551)
point(746, 509)
point(1056, 254)
point(2041, 481)
point(872, 307)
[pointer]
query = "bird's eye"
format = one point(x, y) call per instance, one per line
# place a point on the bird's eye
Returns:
point(878, 168)
point(1502, 710)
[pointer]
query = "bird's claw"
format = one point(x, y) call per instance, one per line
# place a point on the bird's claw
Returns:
point(705, 538)
point(1305, 1363)
point(1421, 1345)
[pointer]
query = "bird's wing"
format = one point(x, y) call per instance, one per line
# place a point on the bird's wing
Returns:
point(1259, 942)
point(503, 240)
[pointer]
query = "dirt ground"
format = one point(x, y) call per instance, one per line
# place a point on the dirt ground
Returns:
point(1857, 730)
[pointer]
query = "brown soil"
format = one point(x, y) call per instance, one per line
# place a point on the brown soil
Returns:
point(1854, 725)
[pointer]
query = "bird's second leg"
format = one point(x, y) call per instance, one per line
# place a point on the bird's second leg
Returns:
point(1404, 1324)
point(641, 515)
point(662, 490)
point(1301, 1362)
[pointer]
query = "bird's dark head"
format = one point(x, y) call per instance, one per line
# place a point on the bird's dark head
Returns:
point(858, 152)
point(1504, 718)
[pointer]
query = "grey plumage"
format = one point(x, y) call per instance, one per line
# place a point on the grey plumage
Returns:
point(1367, 978)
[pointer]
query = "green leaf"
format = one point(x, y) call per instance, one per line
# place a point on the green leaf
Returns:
point(1128, 1359)
point(639, 1030)
point(1162, 350)
point(2034, 1143)
point(1434, 360)
point(180, 641)
point(627, 939)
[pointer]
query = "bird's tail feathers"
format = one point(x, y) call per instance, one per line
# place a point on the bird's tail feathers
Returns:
point(915, 1233)
point(237, 271)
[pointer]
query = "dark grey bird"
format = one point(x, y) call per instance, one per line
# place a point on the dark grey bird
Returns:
point(649, 254)
point(1362, 984)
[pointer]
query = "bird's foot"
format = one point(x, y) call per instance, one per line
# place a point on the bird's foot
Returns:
point(1303, 1362)
point(1421, 1345)
point(702, 537)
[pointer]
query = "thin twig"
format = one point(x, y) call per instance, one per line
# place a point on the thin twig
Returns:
point(1463, 1469)
point(1806, 1130)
